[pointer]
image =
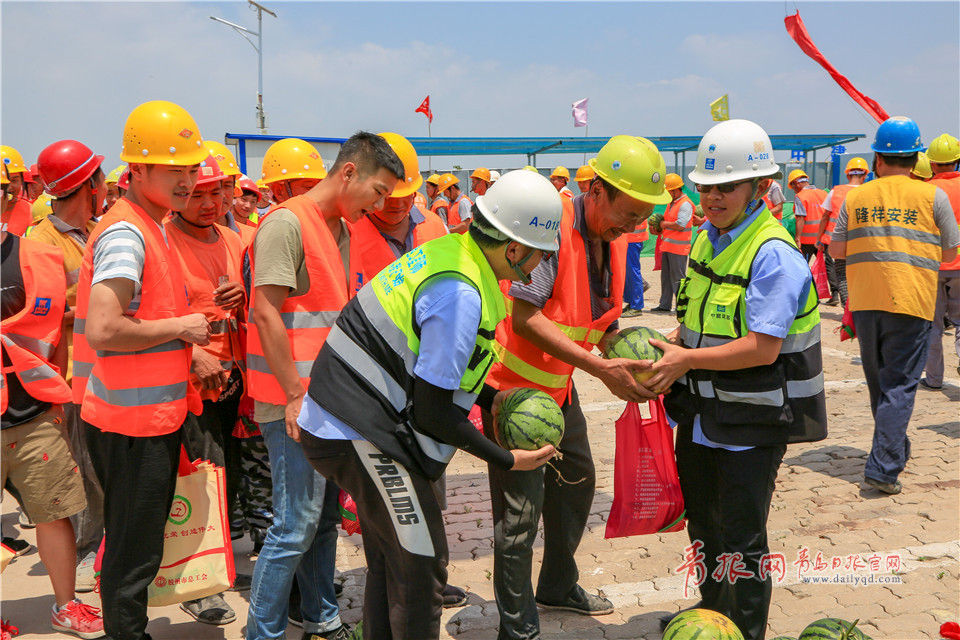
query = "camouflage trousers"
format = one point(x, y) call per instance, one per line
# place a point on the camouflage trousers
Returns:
point(253, 507)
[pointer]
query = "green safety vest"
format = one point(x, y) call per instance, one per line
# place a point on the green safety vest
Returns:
point(364, 372)
point(771, 404)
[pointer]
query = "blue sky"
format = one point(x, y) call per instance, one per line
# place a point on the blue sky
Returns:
point(492, 68)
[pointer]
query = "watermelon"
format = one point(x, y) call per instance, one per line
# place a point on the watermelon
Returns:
point(833, 629)
point(529, 419)
point(701, 624)
point(634, 343)
point(653, 223)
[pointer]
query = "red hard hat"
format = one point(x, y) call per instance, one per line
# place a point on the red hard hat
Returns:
point(30, 175)
point(246, 184)
point(123, 182)
point(65, 165)
point(210, 171)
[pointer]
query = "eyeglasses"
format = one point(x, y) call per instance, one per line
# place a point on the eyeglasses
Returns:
point(727, 187)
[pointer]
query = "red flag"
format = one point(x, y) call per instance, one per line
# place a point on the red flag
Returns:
point(424, 108)
point(798, 32)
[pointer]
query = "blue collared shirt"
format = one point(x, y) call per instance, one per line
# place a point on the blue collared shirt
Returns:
point(779, 282)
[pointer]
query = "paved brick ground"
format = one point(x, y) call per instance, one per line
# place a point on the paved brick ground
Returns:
point(818, 509)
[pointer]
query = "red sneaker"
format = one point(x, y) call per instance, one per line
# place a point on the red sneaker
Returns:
point(7, 630)
point(79, 619)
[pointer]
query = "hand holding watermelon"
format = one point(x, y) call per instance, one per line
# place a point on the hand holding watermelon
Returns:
point(529, 424)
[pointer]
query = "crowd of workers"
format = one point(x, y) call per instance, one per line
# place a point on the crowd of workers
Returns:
point(319, 330)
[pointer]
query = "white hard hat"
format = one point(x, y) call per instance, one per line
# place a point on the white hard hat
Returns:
point(734, 150)
point(494, 176)
point(524, 207)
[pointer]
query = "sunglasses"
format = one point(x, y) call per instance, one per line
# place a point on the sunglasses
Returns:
point(728, 187)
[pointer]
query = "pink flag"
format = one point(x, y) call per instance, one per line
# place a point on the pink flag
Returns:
point(798, 32)
point(580, 113)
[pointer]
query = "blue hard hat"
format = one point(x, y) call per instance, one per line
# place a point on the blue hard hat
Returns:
point(898, 135)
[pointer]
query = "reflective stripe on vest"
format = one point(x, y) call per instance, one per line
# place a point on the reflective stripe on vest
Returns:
point(949, 183)
point(36, 327)
point(524, 365)
point(787, 395)
point(893, 247)
point(377, 253)
point(307, 317)
point(677, 242)
point(837, 196)
point(812, 198)
point(641, 234)
point(364, 373)
point(39, 378)
point(144, 392)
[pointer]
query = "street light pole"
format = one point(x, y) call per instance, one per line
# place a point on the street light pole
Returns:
point(243, 31)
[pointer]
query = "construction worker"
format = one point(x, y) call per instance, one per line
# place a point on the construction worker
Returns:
point(113, 191)
point(305, 268)
point(559, 179)
point(17, 217)
point(921, 170)
point(583, 177)
point(856, 172)
point(438, 202)
point(291, 167)
point(944, 157)
point(73, 175)
point(894, 233)
point(133, 338)
point(231, 174)
point(747, 362)
point(494, 176)
point(39, 210)
point(480, 180)
point(209, 256)
point(570, 304)
point(245, 204)
point(458, 212)
point(395, 431)
point(37, 463)
point(676, 229)
point(634, 285)
point(807, 211)
point(774, 200)
point(33, 183)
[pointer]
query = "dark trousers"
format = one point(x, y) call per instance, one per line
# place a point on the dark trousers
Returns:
point(633, 282)
point(88, 524)
point(138, 476)
point(673, 268)
point(727, 496)
point(809, 251)
point(518, 499)
point(893, 348)
point(832, 274)
point(403, 537)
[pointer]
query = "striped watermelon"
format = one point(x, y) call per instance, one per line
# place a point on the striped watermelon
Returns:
point(529, 419)
point(701, 624)
point(634, 343)
point(653, 223)
point(833, 629)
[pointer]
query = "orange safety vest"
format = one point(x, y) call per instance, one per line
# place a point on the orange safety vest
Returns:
point(677, 242)
point(18, 218)
point(310, 316)
point(30, 336)
point(224, 327)
point(246, 233)
point(136, 393)
point(641, 234)
point(377, 254)
point(812, 198)
point(950, 184)
point(453, 210)
point(836, 201)
point(420, 201)
point(769, 203)
point(522, 364)
point(438, 203)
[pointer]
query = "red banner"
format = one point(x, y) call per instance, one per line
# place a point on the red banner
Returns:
point(798, 32)
point(424, 108)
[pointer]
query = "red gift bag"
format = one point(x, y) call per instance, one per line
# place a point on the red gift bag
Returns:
point(658, 255)
point(819, 270)
point(349, 520)
point(847, 330)
point(646, 487)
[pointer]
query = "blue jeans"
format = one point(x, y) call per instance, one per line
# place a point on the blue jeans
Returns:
point(893, 348)
point(301, 540)
point(633, 283)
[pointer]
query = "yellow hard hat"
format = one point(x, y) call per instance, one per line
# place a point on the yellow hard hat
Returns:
point(560, 172)
point(672, 181)
point(482, 173)
point(411, 166)
point(922, 168)
point(530, 167)
point(796, 173)
point(856, 164)
point(433, 179)
point(292, 158)
point(114, 176)
point(41, 207)
point(944, 149)
point(447, 180)
point(634, 166)
point(584, 173)
point(161, 132)
point(12, 162)
point(224, 157)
